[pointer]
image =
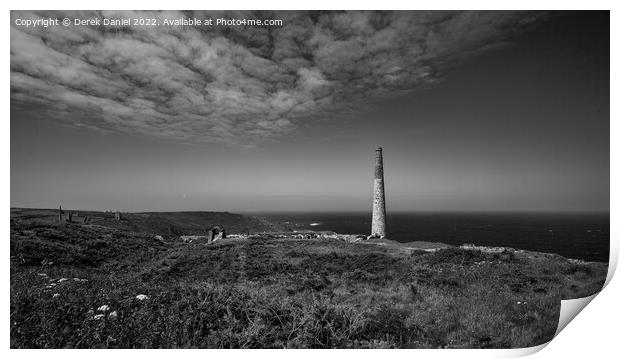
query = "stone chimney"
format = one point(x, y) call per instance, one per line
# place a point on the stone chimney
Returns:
point(378, 198)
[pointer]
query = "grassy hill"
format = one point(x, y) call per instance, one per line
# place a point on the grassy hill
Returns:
point(166, 224)
point(81, 286)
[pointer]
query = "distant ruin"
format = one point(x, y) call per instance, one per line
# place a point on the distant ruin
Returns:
point(71, 217)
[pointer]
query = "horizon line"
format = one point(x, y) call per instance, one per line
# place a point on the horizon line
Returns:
point(532, 211)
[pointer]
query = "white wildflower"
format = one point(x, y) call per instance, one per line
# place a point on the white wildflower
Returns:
point(56, 295)
point(42, 274)
point(104, 308)
point(141, 297)
point(519, 303)
point(113, 315)
point(98, 316)
point(62, 280)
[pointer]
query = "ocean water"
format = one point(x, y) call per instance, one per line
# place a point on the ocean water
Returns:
point(574, 235)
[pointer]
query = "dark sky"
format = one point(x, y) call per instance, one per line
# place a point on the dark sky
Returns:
point(492, 111)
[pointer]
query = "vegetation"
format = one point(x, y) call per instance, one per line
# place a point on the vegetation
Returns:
point(166, 224)
point(88, 286)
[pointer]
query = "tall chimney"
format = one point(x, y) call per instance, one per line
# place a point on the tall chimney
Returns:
point(378, 198)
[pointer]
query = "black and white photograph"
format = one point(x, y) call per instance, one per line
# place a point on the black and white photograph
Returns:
point(307, 179)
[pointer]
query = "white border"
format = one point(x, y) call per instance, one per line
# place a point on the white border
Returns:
point(318, 5)
point(592, 333)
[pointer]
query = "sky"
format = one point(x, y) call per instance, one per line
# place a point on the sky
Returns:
point(475, 111)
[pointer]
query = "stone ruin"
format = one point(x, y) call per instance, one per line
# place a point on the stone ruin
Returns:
point(216, 233)
point(71, 217)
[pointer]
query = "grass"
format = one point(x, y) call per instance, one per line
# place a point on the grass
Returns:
point(275, 293)
point(166, 224)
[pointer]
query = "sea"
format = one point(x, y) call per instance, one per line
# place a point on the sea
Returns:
point(582, 236)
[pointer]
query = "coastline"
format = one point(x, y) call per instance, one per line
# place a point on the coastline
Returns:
point(414, 295)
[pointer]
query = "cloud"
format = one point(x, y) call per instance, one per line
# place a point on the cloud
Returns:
point(237, 85)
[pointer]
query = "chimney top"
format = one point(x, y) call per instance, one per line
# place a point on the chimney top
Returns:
point(379, 149)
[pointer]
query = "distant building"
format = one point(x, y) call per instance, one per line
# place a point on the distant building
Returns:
point(71, 217)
